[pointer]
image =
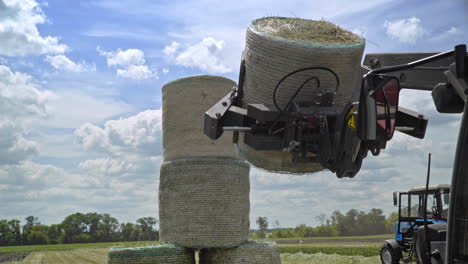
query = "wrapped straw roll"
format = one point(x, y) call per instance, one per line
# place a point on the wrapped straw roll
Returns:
point(185, 102)
point(277, 46)
point(249, 253)
point(204, 202)
point(164, 254)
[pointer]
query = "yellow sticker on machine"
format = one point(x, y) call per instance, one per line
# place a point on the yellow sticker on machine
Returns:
point(351, 118)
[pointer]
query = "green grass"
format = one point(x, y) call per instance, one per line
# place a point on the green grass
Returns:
point(349, 250)
point(383, 237)
point(57, 247)
point(325, 252)
point(320, 258)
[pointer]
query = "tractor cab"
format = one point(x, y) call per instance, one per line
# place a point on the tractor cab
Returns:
point(411, 209)
point(411, 217)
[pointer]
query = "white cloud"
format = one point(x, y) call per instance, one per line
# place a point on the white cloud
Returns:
point(63, 63)
point(130, 63)
point(19, 34)
point(165, 70)
point(453, 34)
point(205, 55)
point(123, 57)
point(20, 101)
point(407, 30)
point(171, 49)
point(33, 187)
point(97, 109)
point(139, 134)
point(137, 72)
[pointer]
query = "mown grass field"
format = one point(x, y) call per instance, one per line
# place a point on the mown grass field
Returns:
point(322, 251)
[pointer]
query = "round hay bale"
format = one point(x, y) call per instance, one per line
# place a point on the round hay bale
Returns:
point(162, 254)
point(249, 253)
point(277, 46)
point(185, 102)
point(204, 202)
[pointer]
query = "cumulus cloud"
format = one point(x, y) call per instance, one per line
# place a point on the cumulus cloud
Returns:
point(130, 63)
point(407, 30)
point(19, 34)
point(205, 55)
point(139, 134)
point(452, 34)
point(33, 187)
point(20, 101)
point(137, 72)
point(171, 49)
point(63, 63)
point(123, 57)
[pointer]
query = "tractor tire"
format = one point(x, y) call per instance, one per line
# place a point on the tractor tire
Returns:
point(388, 255)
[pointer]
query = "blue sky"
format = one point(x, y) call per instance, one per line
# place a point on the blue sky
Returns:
point(80, 93)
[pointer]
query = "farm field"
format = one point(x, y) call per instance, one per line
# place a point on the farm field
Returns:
point(354, 250)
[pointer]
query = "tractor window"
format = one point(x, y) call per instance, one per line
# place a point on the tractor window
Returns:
point(432, 210)
point(445, 204)
point(415, 206)
point(404, 205)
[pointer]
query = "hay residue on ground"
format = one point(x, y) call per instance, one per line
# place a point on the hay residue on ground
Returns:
point(305, 30)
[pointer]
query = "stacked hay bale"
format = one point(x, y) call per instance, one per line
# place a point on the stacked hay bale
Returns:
point(249, 253)
point(277, 46)
point(204, 189)
point(152, 255)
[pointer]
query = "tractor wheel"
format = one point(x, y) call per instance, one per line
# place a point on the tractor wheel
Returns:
point(388, 255)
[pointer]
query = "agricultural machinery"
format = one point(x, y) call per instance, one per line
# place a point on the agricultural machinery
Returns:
point(341, 141)
point(414, 212)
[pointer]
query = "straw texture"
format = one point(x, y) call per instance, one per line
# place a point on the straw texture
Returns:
point(204, 202)
point(185, 102)
point(164, 254)
point(249, 253)
point(269, 58)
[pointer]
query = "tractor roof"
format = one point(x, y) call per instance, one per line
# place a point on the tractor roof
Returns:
point(431, 188)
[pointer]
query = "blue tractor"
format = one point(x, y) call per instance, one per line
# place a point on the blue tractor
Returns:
point(410, 237)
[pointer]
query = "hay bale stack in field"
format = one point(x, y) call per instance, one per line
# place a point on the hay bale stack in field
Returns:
point(164, 254)
point(204, 189)
point(249, 253)
point(204, 202)
point(277, 46)
point(185, 101)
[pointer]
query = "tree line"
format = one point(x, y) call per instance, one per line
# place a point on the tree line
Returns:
point(76, 228)
point(352, 223)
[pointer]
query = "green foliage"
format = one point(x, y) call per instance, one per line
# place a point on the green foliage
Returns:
point(353, 223)
point(37, 238)
point(77, 228)
point(262, 223)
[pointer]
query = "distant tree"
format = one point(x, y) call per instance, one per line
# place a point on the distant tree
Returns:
point(276, 224)
point(127, 229)
point(73, 226)
point(322, 218)
point(147, 228)
point(30, 222)
point(262, 223)
point(15, 229)
point(107, 228)
point(37, 238)
point(300, 230)
point(5, 233)
point(55, 234)
point(390, 222)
